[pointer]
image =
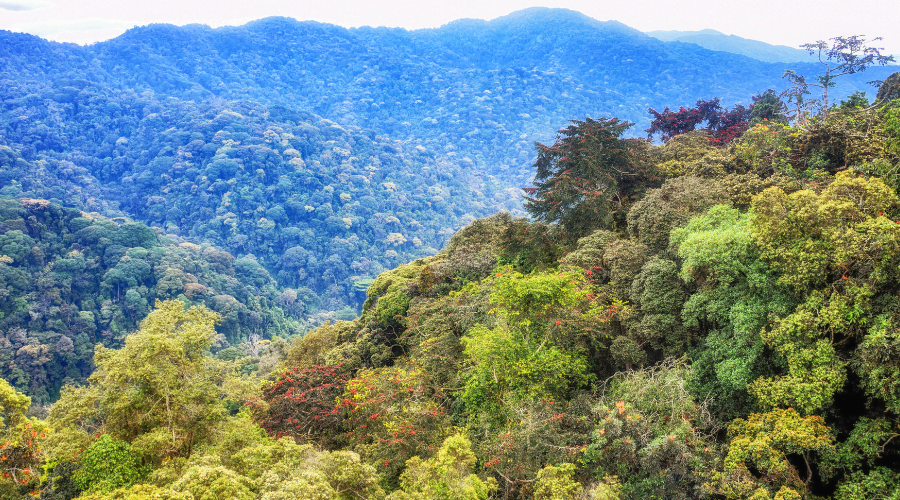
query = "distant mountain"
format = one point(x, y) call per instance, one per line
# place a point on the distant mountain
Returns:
point(330, 154)
point(478, 89)
point(715, 40)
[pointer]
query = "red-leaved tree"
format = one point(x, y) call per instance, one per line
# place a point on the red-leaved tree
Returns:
point(723, 125)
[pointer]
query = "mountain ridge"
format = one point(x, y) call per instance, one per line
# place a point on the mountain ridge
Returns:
point(718, 41)
point(469, 99)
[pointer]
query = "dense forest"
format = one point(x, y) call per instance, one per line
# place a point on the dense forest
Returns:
point(318, 205)
point(221, 279)
point(482, 90)
point(70, 280)
point(711, 317)
point(331, 155)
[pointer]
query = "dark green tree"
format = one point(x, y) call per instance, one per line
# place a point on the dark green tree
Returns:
point(588, 178)
point(890, 88)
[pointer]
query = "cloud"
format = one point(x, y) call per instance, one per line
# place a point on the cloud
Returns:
point(23, 5)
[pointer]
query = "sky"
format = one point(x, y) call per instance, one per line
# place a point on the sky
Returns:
point(777, 22)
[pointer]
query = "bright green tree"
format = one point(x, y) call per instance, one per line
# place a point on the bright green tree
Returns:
point(109, 464)
point(161, 392)
point(448, 475)
point(556, 483)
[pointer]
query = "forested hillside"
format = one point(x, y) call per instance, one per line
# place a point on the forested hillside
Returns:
point(713, 317)
point(483, 90)
point(318, 205)
point(71, 280)
point(700, 305)
point(210, 134)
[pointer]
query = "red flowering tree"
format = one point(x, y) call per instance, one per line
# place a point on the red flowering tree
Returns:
point(588, 178)
point(392, 415)
point(302, 404)
point(670, 123)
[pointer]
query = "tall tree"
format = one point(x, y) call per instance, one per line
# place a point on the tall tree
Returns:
point(843, 56)
point(161, 392)
point(588, 178)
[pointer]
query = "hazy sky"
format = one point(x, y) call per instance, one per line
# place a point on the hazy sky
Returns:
point(783, 22)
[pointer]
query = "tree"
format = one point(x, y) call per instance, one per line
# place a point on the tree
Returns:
point(671, 123)
point(588, 178)
point(671, 206)
point(537, 350)
point(447, 476)
point(890, 89)
point(767, 106)
point(20, 457)
point(161, 392)
point(109, 464)
point(652, 434)
point(763, 443)
point(391, 416)
point(301, 403)
point(556, 483)
point(843, 56)
point(722, 124)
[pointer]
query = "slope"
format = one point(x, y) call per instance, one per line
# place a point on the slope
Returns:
point(480, 89)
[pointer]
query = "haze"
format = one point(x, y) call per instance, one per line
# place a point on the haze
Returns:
point(775, 22)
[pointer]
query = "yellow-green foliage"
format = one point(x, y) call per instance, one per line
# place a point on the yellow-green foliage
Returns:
point(842, 238)
point(690, 154)
point(809, 237)
point(814, 374)
point(160, 392)
point(248, 465)
point(742, 187)
point(847, 137)
point(448, 475)
point(537, 350)
point(764, 441)
point(312, 348)
point(13, 405)
point(139, 492)
point(556, 483)
point(208, 481)
point(608, 489)
point(878, 361)
point(283, 470)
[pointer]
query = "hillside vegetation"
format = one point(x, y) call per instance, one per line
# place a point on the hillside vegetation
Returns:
point(482, 90)
point(72, 280)
point(328, 154)
point(320, 206)
point(718, 322)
